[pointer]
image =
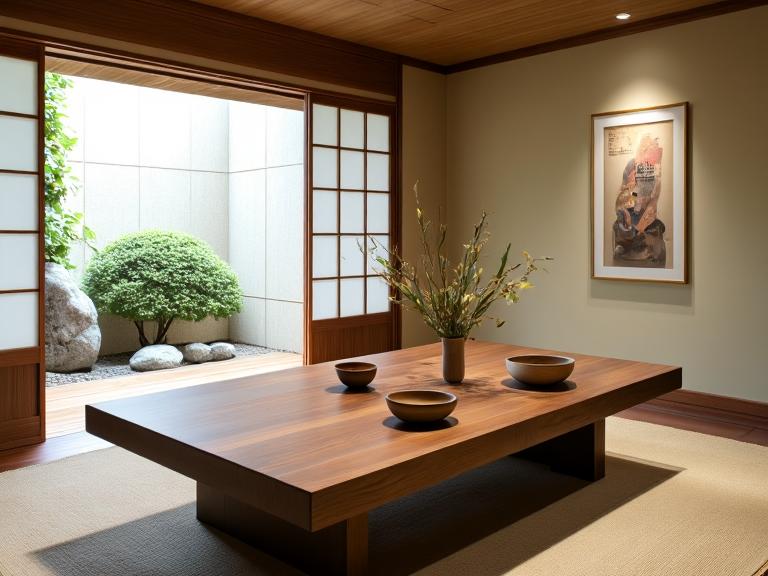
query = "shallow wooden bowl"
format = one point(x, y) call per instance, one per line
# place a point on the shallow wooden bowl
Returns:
point(421, 405)
point(540, 370)
point(356, 374)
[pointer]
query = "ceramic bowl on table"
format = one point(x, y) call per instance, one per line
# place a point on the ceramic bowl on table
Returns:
point(421, 406)
point(539, 369)
point(356, 374)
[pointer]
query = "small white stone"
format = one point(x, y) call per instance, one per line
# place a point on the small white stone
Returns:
point(222, 351)
point(197, 353)
point(156, 357)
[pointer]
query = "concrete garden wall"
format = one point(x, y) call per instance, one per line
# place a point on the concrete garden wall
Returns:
point(266, 223)
point(219, 170)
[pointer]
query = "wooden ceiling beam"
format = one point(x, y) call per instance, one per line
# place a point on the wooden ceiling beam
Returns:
point(205, 31)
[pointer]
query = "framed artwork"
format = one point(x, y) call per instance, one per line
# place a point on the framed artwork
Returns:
point(639, 194)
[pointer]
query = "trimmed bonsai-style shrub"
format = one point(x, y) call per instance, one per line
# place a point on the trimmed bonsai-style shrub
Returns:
point(160, 277)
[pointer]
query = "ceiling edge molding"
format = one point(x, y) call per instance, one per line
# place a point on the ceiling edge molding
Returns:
point(423, 64)
point(716, 9)
point(280, 48)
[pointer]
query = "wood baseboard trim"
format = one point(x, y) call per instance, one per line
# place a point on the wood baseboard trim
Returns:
point(713, 407)
point(716, 401)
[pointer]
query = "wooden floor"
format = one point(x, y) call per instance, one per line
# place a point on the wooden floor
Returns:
point(65, 413)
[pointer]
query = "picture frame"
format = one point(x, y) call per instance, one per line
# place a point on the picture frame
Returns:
point(640, 194)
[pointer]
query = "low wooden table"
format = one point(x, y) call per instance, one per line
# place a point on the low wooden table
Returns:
point(291, 462)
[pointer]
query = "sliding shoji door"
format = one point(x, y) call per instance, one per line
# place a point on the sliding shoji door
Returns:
point(22, 371)
point(353, 202)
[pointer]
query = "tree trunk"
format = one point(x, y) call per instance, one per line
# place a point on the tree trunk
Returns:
point(162, 329)
point(159, 331)
point(160, 334)
point(142, 337)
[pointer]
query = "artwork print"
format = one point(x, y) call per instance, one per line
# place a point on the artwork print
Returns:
point(639, 195)
point(638, 189)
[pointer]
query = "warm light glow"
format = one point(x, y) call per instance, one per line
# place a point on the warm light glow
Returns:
point(623, 16)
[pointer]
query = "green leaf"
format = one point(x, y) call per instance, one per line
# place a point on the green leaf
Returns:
point(157, 276)
point(63, 227)
point(452, 300)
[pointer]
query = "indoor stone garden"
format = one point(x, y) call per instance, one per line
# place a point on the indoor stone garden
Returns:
point(115, 365)
point(146, 277)
point(130, 266)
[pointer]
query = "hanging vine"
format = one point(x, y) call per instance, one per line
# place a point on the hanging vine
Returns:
point(63, 226)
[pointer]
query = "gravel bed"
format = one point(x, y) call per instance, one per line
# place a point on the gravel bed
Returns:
point(116, 365)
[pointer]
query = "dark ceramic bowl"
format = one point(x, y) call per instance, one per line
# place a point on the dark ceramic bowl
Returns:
point(421, 405)
point(540, 370)
point(356, 374)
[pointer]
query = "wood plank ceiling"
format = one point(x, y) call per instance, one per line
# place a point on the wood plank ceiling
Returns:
point(167, 82)
point(448, 32)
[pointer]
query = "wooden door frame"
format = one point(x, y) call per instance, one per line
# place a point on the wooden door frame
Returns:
point(75, 50)
point(31, 429)
point(393, 111)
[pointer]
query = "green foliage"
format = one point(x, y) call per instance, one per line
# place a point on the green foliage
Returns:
point(161, 276)
point(63, 227)
point(452, 300)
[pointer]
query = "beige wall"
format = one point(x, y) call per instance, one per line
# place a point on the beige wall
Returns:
point(518, 146)
point(423, 161)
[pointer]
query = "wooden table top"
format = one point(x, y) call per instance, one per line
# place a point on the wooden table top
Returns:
point(296, 445)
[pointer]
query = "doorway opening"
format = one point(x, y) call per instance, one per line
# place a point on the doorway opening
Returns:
point(351, 156)
point(222, 164)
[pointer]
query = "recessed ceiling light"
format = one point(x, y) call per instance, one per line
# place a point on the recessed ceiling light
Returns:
point(623, 16)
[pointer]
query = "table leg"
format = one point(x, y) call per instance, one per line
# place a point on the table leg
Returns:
point(341, 549)
point(579, 453)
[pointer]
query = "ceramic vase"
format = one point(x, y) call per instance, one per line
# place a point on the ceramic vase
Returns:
point(453, 360)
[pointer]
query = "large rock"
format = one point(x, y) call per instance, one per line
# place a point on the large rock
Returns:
point(222, 351)
point(72, 335)
point(156, 357)
point(197, 353)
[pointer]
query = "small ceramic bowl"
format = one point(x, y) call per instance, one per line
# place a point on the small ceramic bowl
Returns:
point(356, 374)
point(540, 370)
point(421, 405)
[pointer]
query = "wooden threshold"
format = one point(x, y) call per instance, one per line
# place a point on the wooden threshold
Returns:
point(50, 450)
